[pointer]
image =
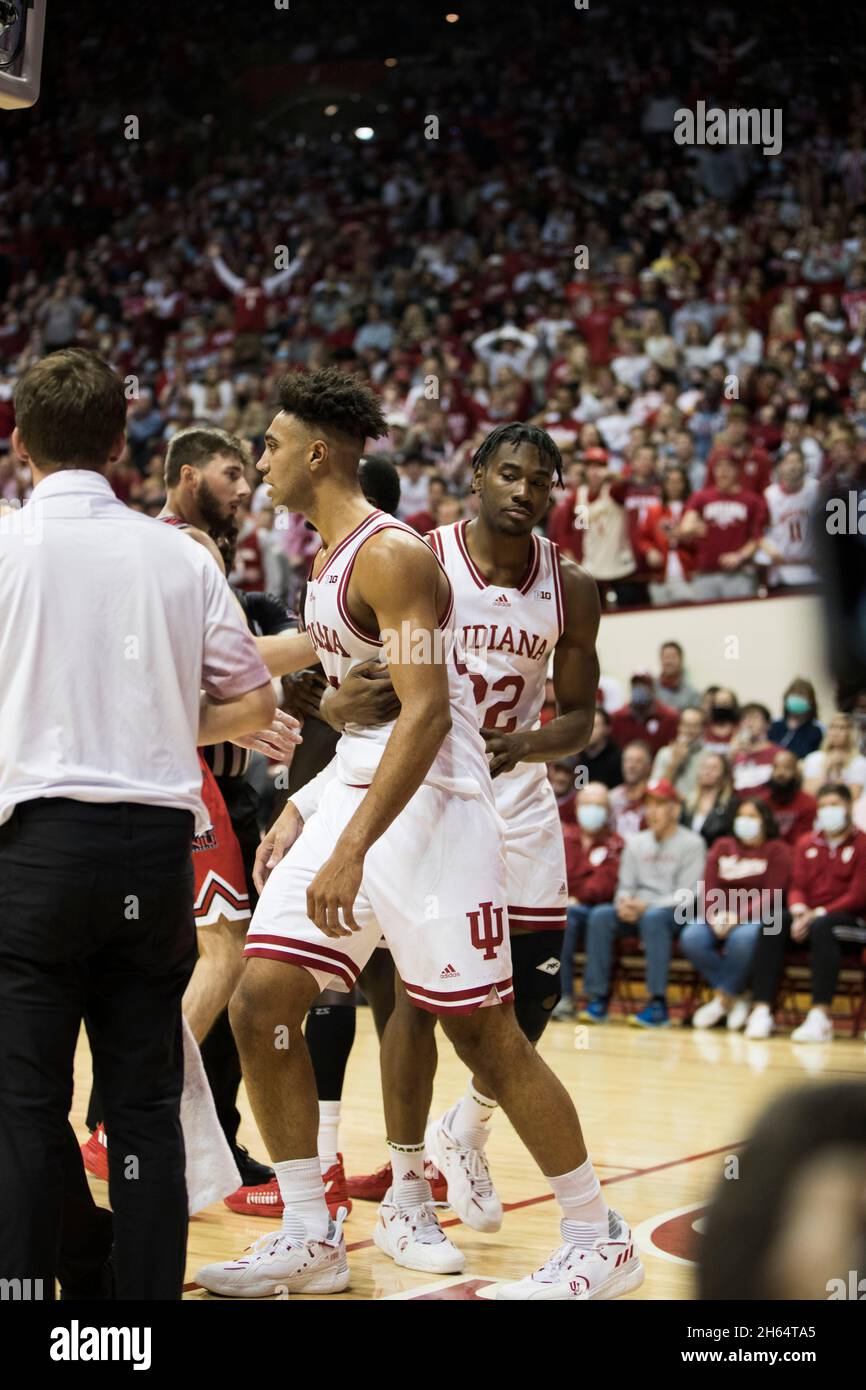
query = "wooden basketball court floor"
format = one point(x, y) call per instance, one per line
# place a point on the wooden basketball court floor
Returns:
point(663, 1113)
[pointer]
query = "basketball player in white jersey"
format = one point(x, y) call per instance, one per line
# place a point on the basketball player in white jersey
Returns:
point(516, 602)
point(788, 544)
point(407, 842)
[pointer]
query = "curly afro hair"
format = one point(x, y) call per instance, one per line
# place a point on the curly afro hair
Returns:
point(331, 399)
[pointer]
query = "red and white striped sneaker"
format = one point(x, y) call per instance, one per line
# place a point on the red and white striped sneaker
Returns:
point(95, 1154)
point(374, 1186)
point(265, 1199)
point(611, 1268)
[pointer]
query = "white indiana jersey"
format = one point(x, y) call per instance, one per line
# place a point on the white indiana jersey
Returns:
point(790, 529)
point(460, 766)
point(508, 636)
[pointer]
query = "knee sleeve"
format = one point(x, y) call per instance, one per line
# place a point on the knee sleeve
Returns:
point(535, 971)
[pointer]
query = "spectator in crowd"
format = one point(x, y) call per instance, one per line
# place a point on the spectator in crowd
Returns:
point(753, 756)
point(601, 757)
point(425, 521)
point(722, 709)
point(677, 689)
point(709, 809)
point(603, 521)
point(60, 316)
point(793, 808)
point(668, 565)
point(788, 545)
point(644, 717)
point(628, 801)
point(798, 728)
point(752, 463)
point(827, 903)
point(679, 761)
point(561, 777)
point(592, 854)
point(724, 522)
point(837, 760)
point(414, 485)
point(746, 876)
point(658, 879)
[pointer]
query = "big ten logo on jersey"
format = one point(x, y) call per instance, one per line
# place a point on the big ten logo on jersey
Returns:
point(542, 593)
point(486, 929)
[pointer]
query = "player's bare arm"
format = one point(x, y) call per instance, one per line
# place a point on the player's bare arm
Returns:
point(287, 652)
point(575, 682)
point(400, 585)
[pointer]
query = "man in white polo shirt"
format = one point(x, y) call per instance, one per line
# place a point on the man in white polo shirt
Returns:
point(111, 626)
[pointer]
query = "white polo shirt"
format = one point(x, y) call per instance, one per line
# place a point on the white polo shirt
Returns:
point(111, 623)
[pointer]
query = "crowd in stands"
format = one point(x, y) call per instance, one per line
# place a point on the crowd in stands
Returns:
point(708, 822)
point(687, 322)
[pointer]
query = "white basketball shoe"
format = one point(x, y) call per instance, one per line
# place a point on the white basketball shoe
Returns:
point(413, 1238)
point(278, 1264)
point(610, 1269)
point(471, 1193)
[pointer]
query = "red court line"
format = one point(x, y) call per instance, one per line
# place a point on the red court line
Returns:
point(548, 1196)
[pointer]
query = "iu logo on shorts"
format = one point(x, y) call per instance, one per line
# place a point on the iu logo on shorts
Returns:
point(486, 929)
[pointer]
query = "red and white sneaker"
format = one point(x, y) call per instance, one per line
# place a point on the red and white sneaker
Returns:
point(611, 1268)
point(374, 1187)
point(279, 1265)
point(95, 1154)
point(413, 1238)
point(471, 1193)
point(265, 1200)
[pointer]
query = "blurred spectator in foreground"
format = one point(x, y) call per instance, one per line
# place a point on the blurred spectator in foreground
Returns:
point(764, 1240)
point(827, 902)
point(592, 854)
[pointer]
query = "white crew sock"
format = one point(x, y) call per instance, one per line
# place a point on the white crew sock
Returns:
point(305, 1211)
point(584, 1211)
point(409, 1186)
point(329, 1132)
point(470, 1118)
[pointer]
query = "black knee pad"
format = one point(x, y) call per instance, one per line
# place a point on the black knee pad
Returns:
point(535, 971)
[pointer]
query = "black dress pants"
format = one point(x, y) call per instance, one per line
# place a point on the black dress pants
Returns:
point(95, 923)
point(823, 946)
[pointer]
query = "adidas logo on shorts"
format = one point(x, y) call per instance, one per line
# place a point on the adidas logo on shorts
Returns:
point(449, 973)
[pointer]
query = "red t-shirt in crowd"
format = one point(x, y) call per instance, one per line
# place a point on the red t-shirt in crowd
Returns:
point(658, 728)
point(830, 875)
point(794, 818)
point(732, 865)
point(752, 767)
point(731, 518)
point(592, 871)
point(755, 464)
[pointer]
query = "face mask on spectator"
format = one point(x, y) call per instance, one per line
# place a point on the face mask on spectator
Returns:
point(591, 817)
point(723, 714)
point(832, 819)
point(747, 827)
point(641, 696)
point(797, 704)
